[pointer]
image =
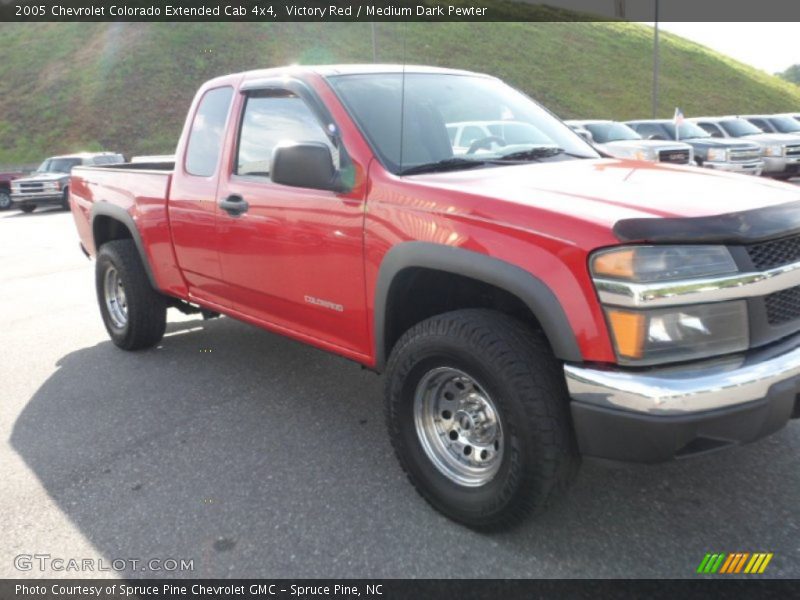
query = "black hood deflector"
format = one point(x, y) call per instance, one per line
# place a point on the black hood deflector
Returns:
point(744, 227)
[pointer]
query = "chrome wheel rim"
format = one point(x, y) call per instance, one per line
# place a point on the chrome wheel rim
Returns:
point(5, 200)
point(116, 302)
point(458, 426)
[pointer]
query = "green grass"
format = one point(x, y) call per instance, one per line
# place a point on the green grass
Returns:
point(126, 87)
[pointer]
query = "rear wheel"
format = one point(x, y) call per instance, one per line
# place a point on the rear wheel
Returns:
point(477, 411)
point(135, 315)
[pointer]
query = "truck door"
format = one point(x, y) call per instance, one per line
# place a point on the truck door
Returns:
point(192, 202)
point(291, 257)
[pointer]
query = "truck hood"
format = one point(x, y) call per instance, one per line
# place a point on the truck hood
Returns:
point(646, 145)
point(600, 192)
point(42, 177)
point(736, 143)
point(773, 138)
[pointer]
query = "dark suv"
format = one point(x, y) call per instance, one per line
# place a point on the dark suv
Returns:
point(722, 154)
point(49, 184)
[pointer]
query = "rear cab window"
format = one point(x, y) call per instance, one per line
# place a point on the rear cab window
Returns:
point(207, 132)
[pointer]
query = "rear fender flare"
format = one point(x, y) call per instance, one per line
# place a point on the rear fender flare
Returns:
point(120, 214)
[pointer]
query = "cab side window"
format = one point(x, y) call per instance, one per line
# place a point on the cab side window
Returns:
point(271, 118)
point(647, 130)
point(208, 128)
point(712, 129)
point(471, 134)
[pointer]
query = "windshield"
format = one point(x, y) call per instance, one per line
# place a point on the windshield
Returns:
point(603, 133)
point(58, 165)
point(456, 121)
point(785, 124)
point(739, 127)
point(687, 131)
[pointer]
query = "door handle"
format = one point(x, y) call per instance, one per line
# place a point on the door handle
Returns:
point(234, 205)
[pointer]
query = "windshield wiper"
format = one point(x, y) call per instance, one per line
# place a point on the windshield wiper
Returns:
point(535, 153)
point(447, 164)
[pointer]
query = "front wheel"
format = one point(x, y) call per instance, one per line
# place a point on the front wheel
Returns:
point(28, 208)
point(65, 199)
point(5, 200)
point(477, 410)
point(135, 315)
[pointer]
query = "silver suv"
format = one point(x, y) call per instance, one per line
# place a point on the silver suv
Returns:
point(620, 141)
point(781, 151)
point(49, 184)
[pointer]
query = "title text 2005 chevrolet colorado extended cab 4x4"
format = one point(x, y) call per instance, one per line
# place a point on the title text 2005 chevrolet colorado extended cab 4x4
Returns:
point(528, 300)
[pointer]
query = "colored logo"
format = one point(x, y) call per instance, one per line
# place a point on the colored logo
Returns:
point(735, 562)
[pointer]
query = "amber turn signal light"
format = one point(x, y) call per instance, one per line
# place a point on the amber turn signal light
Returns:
point(615, 264)
point(628, 329)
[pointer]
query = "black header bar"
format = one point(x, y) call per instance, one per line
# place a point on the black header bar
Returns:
point(237, 11)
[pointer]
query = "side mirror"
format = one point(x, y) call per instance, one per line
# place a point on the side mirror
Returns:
point(586, 135)
point(306, 165)
point(656, 136)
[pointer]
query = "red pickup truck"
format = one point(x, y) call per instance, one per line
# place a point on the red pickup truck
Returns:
point(528, 300)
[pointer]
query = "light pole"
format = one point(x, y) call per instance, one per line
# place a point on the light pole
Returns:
point(656, 63)
point(374, 45)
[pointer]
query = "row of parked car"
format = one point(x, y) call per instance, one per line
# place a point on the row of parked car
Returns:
point(755, 144)
point(48, 185)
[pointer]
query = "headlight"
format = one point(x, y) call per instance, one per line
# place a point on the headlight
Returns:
point(645, 154)
point(774, 150)
point(662, 335)
point(676, 334)
point(718, 154)
point(662, 263)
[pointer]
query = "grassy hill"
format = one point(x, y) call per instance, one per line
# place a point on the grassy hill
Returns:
point(126, 87)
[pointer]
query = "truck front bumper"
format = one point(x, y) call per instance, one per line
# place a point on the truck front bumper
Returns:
point(37, 199)
point(782, 165)
point(748, 168)
point(659, 414)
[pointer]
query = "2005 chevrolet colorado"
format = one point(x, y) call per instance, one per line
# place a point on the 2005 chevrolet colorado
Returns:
point(528, 300)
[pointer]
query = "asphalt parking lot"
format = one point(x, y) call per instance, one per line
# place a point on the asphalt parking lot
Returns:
point(256, 456)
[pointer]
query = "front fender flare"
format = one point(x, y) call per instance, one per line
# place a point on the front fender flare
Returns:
point(536, 295)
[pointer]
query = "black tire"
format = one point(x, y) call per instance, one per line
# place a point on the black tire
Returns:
point(517, 369)
point(27, 208)
point(145, 309)
point(5, 200)
point(65, 199)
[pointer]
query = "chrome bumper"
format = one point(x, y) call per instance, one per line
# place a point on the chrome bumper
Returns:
point(685, 390)
point(750, 168)
point(780, 164)
point(48, 196)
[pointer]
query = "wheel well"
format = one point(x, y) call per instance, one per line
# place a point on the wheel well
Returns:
point(417, 294)
point(106, 229)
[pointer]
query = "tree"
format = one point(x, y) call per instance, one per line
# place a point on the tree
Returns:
point(791, 74)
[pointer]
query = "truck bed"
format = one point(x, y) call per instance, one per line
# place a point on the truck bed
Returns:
point(135, 193)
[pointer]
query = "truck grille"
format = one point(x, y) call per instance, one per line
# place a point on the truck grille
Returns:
point(745, 155)
point(792, 150)
point(768, 255)
point(33, 186)
point(680, 157)
point(783, 307)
